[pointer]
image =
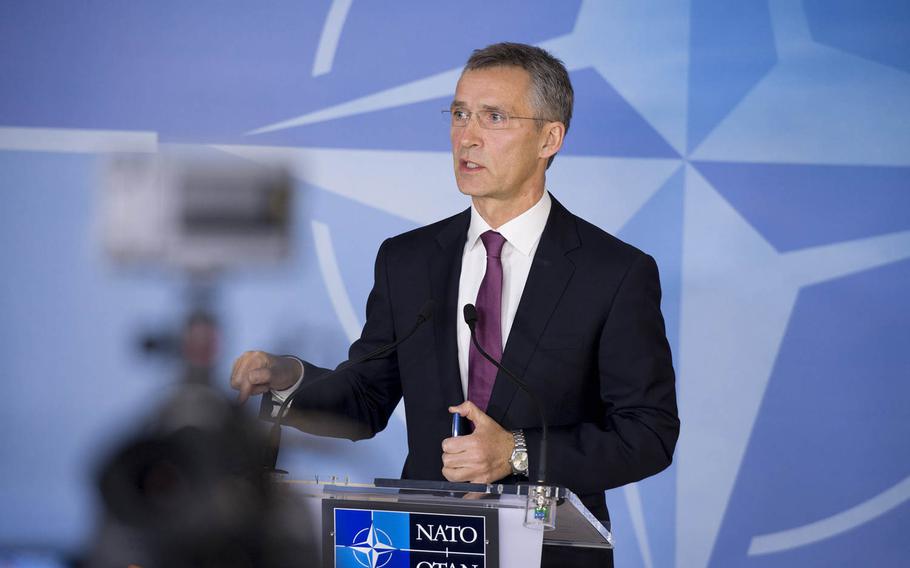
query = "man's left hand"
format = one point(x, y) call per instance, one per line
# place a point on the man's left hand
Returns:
point(482, 456)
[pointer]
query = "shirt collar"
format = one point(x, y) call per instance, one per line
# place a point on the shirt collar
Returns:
point(522, 232)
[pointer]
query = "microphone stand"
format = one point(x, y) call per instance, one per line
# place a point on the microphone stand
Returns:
point(541, 508)
point(271, 457)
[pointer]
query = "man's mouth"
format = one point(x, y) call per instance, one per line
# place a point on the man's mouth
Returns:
point(470, 166)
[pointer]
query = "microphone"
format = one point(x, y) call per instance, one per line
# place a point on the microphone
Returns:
point(540, 511)
point(470, 318)
point(271, 457)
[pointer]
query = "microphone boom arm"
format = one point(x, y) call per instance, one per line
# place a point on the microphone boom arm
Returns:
point(470, 318)
point(271, 459)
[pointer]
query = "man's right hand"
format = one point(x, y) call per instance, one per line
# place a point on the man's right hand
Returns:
point(257, 372)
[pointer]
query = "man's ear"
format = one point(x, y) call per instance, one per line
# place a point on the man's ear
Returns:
point(551, 141)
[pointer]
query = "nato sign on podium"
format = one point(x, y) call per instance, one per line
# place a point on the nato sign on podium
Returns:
point(395, 523)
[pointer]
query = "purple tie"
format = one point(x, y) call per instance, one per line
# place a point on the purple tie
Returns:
point(482, 373)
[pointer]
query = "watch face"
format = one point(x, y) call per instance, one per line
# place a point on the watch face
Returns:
point(520, 461)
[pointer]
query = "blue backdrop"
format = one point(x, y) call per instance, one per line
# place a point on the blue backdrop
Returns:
point(760, 150)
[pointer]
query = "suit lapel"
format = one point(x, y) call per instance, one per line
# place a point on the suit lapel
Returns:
point(550, 273)
point(445, 272)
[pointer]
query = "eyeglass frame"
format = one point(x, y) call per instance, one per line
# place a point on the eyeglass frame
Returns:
point(451, 113)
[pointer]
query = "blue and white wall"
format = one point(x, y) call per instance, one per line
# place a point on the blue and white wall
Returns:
point(760, 150)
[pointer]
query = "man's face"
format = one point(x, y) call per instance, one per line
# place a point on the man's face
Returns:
point(497, 164)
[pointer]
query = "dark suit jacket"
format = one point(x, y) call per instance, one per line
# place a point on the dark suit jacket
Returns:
point(588, 336)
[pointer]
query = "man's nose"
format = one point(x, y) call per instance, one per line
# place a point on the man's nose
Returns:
point(471, 133)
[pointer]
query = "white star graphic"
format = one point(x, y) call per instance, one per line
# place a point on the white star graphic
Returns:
point(373, 547)
point(738, 294)
point(737, 291)
point(745, 290)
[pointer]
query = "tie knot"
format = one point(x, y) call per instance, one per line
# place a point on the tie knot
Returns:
point(493, 242)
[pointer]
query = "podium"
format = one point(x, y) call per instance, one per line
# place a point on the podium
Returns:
point(392, 523)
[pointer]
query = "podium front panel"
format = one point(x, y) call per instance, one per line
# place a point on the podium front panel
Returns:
point(430, 525)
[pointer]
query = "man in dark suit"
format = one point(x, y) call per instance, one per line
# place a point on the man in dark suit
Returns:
point(571, 309)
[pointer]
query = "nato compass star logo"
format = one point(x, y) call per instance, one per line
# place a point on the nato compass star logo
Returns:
point(760, 154)
point(705, 139)
point(371, 539)
point(372, 547)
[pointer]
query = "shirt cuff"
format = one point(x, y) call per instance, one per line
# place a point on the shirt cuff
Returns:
point(280, 396)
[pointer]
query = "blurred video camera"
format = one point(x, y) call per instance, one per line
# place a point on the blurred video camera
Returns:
point(195, 210)
point(189, 490)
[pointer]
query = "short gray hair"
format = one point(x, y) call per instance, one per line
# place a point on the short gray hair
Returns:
point(551, 90)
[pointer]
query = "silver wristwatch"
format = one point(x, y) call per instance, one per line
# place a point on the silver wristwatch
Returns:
point(519, 458)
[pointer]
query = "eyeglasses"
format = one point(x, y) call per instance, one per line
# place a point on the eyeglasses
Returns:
point(489, 119)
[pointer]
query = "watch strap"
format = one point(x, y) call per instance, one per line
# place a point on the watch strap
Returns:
point(519, 457)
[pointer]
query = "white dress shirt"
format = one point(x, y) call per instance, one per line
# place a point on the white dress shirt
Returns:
point(522, 237)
